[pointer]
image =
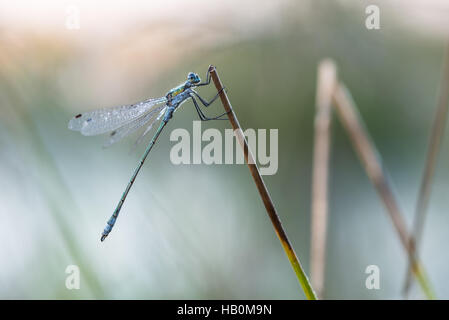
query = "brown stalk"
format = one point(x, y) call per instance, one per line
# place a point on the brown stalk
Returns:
point(372, 163)
point(326, 82)
point(296, 265)
point(436, 135)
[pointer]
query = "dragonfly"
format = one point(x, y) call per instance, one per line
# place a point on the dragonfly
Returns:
point(121, 121)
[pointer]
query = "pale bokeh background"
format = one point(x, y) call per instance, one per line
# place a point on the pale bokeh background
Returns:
point(198, 232)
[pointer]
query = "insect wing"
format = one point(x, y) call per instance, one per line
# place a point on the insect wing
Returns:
point(129, 128)
point(109, 119)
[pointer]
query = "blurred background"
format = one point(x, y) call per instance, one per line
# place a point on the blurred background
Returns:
point(199, 231)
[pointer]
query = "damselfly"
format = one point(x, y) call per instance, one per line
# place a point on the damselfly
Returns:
point(123, 120)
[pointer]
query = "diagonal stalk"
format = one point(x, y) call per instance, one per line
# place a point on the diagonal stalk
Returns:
point(296, 265)
point(436, 135)
point(372, 163)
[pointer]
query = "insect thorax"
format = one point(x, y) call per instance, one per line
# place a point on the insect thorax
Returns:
point(177, 95)
point(177, 90)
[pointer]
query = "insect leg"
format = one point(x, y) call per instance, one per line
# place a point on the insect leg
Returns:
point(201, 114)
point(198, 110)
point(204, 101)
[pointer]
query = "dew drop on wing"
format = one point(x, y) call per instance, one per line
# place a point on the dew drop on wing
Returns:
point(109, 119)
point(129, 128)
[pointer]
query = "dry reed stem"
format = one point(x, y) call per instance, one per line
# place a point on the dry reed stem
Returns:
point(296, 265)
point(372, 163)
point(326, 82)
point(439, 123)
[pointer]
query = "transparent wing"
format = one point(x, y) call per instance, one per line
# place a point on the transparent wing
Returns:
point(129, 128)
point(109, 119)
point(161, 113)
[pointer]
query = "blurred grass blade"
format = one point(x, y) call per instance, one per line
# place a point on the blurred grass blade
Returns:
point(43, 160)
point(266, 198)
point(439, 123)
point(372, 163)
point(327, 79)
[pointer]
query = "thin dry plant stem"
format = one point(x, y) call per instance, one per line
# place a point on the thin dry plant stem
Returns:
point(326, 82)
point(436, 135)
point(296, 265)
point(372, 163)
